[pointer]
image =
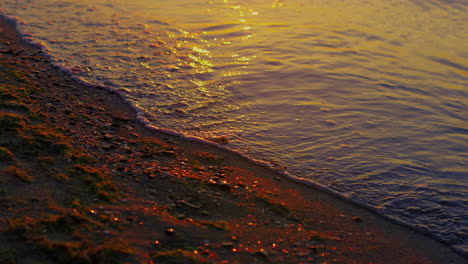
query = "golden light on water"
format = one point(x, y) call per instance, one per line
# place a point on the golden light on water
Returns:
point(200, 50)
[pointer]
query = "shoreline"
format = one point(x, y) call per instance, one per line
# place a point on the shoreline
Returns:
point(156, 197)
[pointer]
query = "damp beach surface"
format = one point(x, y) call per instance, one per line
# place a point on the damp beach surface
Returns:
point(82, 181)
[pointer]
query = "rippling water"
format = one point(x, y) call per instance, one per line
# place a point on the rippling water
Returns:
point(367, 99)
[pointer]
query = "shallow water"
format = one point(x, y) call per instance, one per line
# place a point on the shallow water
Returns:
point(366, 99)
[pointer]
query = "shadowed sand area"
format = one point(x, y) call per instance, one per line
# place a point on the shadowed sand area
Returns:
point(81, 181)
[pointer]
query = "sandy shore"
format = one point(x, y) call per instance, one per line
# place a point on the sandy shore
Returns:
point(83, 182)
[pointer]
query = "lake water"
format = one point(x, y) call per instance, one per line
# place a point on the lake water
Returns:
point(366, 99)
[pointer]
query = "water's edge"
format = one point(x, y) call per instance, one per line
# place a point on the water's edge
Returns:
point(140, 116)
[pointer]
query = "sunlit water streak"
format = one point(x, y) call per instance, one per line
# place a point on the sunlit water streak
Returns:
point(366, 98)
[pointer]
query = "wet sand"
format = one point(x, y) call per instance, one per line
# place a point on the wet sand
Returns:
point(83, 182)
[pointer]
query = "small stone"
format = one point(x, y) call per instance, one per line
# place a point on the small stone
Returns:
point(222, 184)
point(227, 244)
point(357, 219)
point(181, 216)
point(166, 175)
point(262, 252)
point(200, 168)
point(170, 231)
point(168, 152)
point(106, 146)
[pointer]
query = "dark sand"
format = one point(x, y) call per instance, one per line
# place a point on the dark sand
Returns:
point(82, 182)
